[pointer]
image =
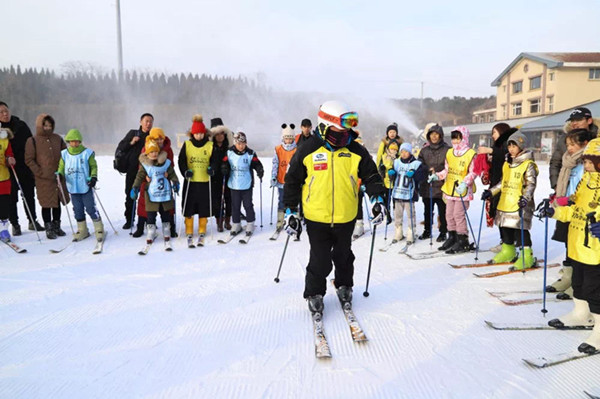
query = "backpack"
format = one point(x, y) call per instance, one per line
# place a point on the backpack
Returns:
point(120, 161)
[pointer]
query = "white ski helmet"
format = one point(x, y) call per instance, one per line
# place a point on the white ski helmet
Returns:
point(338, 114)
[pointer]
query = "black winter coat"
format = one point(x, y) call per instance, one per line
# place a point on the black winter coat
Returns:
point(21, 134)
point(133, 151)
point(433, 156)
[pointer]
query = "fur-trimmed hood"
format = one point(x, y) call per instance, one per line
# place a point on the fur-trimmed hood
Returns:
point(162, 158)
point(39, 123)
point(594, 128)
point(221, 129)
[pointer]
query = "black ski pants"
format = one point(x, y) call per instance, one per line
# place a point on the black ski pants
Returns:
point(513, 236)
point(441, 206)
point(586, 284)
point(129, 179)
point(329, 246)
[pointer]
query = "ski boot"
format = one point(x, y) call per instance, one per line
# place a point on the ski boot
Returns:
point(35, 226)
point(426, 235)
point(530, 261)
point(461, 245)
point(563, 282)
point(315, 304)
point(16, 229)
point(82, 231)
point(166, 230)
point(235, 229)
point(359, 229)
point(441, 237)
point(150, 233)
point(59, 232)
point(139, 231)
point(592, 343)
point(580, 316)
point(50, 233)
point(249, 228)
point(398, 234)
point(506, 254)
point(99, 230)
point(449, 242)
point(565, 295)
point(344, 294)
point(4, 234)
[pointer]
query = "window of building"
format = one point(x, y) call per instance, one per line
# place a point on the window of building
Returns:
point(517, 87)
point(534, 106)
point(535, 83)
point(503, 111)
point(504, 88)
point(551, 76)
point(516, 108)
point(550, 103)
point(595, 73)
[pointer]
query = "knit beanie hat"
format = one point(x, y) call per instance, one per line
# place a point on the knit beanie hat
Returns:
point(393, 126)
point(406, 147)
point(306, 123)
point(287, 131)
point(73, 135)
point(239, 137)
point(519, 139)
point(197, 125)
point(151, 146)
point(155, 134)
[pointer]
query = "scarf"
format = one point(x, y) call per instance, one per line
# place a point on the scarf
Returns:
point(569, 161)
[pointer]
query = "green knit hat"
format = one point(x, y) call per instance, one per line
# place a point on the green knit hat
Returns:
point(73, 135)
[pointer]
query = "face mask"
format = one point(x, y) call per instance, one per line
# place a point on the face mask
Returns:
point(3, 134)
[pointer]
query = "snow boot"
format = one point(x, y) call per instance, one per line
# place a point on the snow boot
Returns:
point(16, 230)
point(166, 230)
point(150, 233)
point(563, 282)
point(4, 234)
point(315, 304)
point(461, 245)
point(345, 295)
point(506, 254)
point(529, 259)
point(220, 228)
point(99, 230)
point(59, 232)
point(50, 233)
point(449, 242)
point(359, 229)
point(441, 237)
point(280, 220)
point(139, 231)
point(580, 316)
point(249, 228)
point(235, 229)
point(227, 223)
point(426, 235)
point(35, 226)
point(592, 343)
point(565, 295)
point(82, 231)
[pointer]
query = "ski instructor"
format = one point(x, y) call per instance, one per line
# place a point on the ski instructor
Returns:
point(324, 175)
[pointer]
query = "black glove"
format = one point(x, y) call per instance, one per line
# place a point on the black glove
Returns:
point(188, 174)
point(380, 212)
point(210, 171)
point(486, 194)
point(92, 182)
point(292, 223)
point(546, 211)
point(523, 202)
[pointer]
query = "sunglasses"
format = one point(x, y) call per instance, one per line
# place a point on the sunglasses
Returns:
point(346, 121)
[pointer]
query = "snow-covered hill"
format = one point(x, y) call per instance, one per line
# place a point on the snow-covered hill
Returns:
point(211, 323)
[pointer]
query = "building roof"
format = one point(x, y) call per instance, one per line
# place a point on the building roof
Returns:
point(557, 121)
point(554, 60)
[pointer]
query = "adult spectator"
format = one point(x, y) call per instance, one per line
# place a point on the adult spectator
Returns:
point(306, 132)
point(21, 133)
point(130, 149)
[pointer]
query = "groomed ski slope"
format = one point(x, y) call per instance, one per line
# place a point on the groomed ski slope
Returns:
point(211, 323)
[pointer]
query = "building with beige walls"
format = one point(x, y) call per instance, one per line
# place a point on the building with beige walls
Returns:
point(537, 84)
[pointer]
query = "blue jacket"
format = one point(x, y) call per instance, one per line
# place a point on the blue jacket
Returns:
point(404, 186)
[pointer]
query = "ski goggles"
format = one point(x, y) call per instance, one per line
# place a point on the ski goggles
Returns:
point(346, 121)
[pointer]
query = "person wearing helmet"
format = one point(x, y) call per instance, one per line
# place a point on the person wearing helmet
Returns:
point(583, 213)
point(323, 175)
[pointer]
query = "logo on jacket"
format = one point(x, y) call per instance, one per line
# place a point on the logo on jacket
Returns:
point(344, 155)
point(320, 157)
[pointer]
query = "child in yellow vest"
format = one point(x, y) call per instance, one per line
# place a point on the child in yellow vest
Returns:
point(194, 164)
point(281, 162)
point(7, 160)
point(519, 179)
point(584, 249)
point(458, 187)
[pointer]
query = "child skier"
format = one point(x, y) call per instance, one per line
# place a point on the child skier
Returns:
point(458, 187)
point(194, 165)
point(584, 249)
point(238, 165)
point(157, 170)
point(79, 168)
point(516, 204)
point(7, 161)
point(406, 175)
point(281, 162)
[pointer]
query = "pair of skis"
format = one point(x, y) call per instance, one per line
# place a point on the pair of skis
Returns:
point(146, 248)
point(98, 246)
point(231, 236)
point(437, 254)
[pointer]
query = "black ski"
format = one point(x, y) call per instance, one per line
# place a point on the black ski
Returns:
point(531, 326)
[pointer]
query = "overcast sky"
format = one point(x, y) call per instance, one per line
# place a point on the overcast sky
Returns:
point(368, 48)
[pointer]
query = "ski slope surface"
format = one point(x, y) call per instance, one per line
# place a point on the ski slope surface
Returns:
point(211, 322)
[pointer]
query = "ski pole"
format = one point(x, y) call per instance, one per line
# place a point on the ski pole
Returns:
point(431, 214)
point(62, 193)
point(412, 223)
point(462, 201)
point(366, 214)
point(523, 240)
point(222, 213)
point(272, 196)
point(210, 210)
point(287, 240)
point(479, 233)
point(187, 187)
point(546, 205)
point(260, 184)
point(25, 202)
point(104, 210)
point(366, 293)
point(388, 207)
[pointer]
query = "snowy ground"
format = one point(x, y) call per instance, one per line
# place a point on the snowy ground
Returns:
point(211, 323)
